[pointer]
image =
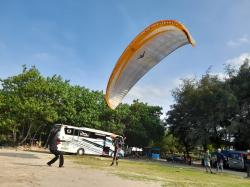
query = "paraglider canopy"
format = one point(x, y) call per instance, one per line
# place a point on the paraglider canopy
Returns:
point(147, 49)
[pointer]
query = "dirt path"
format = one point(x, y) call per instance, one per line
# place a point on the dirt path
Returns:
point(22, 169)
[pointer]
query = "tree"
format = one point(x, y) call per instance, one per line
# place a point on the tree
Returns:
point(31, 103)
point(181, 118)
point(144, 125)
point(239, 82)
point(215, 104)
point(26, 104)
point(200, 115)
point(169, 144)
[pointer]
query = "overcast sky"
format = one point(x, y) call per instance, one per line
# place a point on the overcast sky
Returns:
point(81, 40)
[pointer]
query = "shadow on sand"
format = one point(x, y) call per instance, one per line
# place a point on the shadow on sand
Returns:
point(19, 155)
point(35, 165)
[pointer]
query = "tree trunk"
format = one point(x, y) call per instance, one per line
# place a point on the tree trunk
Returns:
point(205, 146)
point(36, 133)
point(25, 138)
point(186, 149)
point(14, 136)
point(205, 143)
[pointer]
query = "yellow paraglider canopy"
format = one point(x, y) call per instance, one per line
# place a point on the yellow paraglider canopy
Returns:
point(144, 52)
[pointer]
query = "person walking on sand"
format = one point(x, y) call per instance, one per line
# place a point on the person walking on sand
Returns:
point(207, 158)
point(52, 143)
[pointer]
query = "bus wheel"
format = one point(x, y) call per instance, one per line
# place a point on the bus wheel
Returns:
point(80, 152)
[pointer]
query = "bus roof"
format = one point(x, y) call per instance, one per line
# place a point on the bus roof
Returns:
point(89, 130)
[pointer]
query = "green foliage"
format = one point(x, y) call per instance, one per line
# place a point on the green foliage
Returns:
point(212, 111)
point(143, 125)
point(240, 123)
point(208, 112)
point(169, 144)
point(25, 103)
point(31, 103)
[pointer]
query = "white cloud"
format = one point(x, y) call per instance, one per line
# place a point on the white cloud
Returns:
point(237, 61)
point(221, 76)
point(153, 95)
point(156, 95)
point(147, 93)
point(245, 39)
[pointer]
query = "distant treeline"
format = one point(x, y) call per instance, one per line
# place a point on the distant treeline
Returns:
point(208, 113)
point(213, 112)
point(31, 103)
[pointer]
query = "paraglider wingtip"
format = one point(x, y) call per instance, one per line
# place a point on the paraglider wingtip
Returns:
point(109, 104)
point(193, 43)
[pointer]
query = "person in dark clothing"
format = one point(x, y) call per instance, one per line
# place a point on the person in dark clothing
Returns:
point(248, 163)
point(118, 143)
point(52, 143)
point(220, 159)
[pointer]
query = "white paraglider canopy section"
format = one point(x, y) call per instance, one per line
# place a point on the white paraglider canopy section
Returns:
point(152, 45)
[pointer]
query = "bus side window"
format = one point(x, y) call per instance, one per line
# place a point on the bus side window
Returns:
point(68, 131)
point(76, 132)
point(92, 135)
point(98, 136)
point(83, 134)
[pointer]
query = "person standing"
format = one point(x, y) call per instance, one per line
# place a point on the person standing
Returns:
point(118, 143)
point(220, 159)
point(207, 158)
point(52, 143)
point(248, 163)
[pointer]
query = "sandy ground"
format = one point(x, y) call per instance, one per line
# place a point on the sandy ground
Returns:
point(25, 169)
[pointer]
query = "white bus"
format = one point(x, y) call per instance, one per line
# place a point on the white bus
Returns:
point(81, 140)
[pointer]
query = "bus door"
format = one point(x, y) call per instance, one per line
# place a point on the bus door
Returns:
point(75, 138)
point(66, 139)
point(72, 137)
point(105, 147)
point(68, 134)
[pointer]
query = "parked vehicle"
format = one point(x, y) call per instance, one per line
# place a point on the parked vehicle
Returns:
point(237, 160)
point(232, 159)
point(213, 160)
point(82, 140)
point(175, 158)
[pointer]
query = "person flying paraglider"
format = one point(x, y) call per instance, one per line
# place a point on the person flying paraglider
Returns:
point(118, 142)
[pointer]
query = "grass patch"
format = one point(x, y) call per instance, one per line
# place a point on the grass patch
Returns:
point(167, 175)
